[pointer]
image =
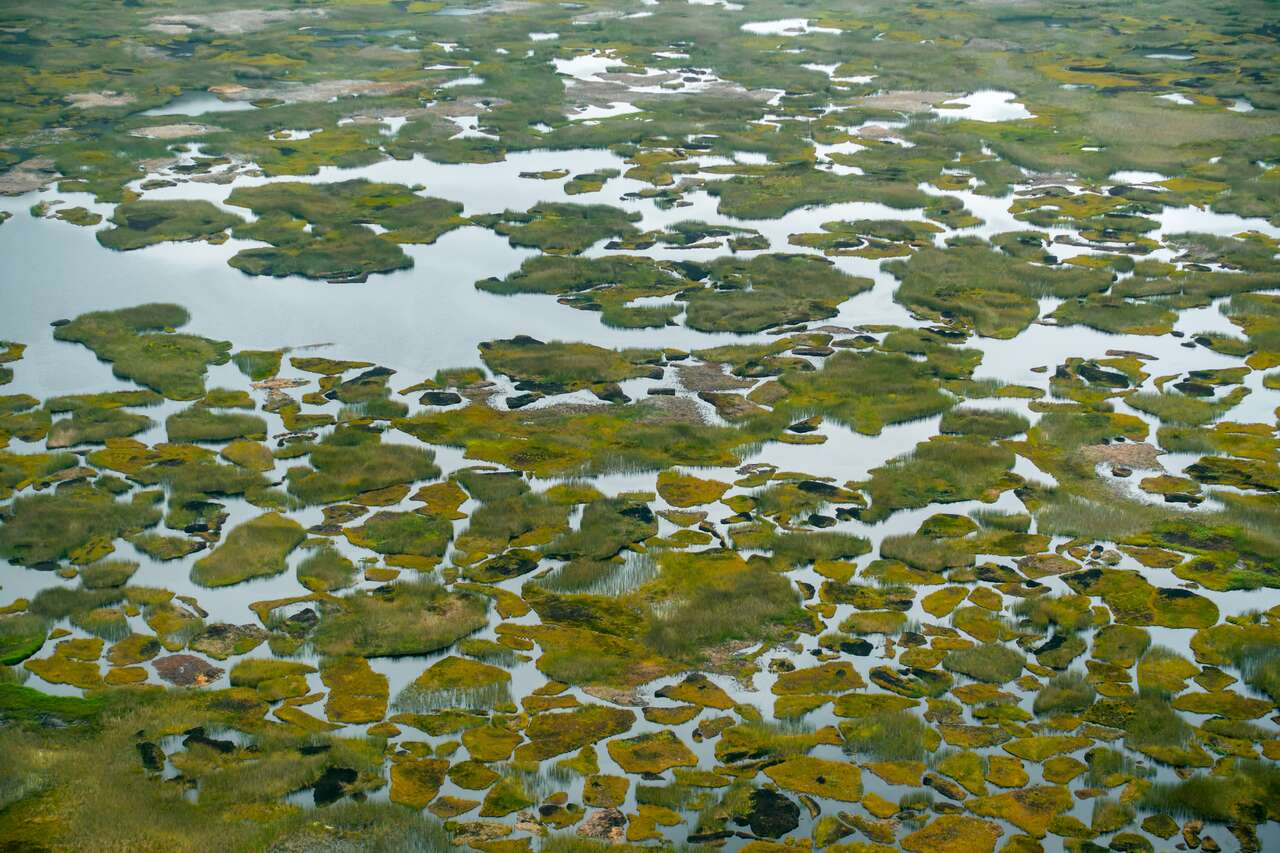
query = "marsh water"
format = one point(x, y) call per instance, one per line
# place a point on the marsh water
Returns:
point(432, 316)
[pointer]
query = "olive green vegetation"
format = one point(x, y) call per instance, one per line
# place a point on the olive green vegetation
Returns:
point(324, 568)
point(559, 228)
point(404, 618)
point(1116, 315)
point(648, 435)
point(941, 470)
point(94, 749)
point(199, 423)
point(605, 284)
point(78, 522)
point(560, 366)
point(351, 460)
point(983, 423)
point(1174, 408)
point(618, 605)
point(988, 291)
point(256, 548)
point(145, 223)
point(141, 345)
point(991, 663)
point(21, 636)
point(734, 601)
point(89, 425)
point(867, 391)
point(411, 533)
point(733, 295)
point(768, 290)
point(318, 231)
point(339, 252)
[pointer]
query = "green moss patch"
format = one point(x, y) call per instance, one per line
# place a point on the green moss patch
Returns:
point(398, 619)
point(651, 753)
point(818, 777)
point(145, 223)
point(256, 548)
point(141, 346)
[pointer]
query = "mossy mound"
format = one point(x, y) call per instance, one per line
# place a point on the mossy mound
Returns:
point(683, 490)
point(357, 694)
point(403, 533)
point(256, 548)
point(553, 733)
point(834, 780)
point(198, 423)
point(79, 523)
point(352, 460)
point(650, 435)
point(454, 682)
point(562, 367)
point(651, 753)
point(402, 618)
point(325, 569)
point(769, 290)
point(89, 425)
point(562, 229)
point(145, 223)
point(1030, 809)
point(991, 663)
point(141, 345)
point(21, 636)
point(995, 294)
point(954, 834)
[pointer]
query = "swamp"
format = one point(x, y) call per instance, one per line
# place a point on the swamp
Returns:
point(763, 426)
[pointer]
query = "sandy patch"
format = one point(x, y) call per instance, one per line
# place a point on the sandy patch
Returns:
point(175, 131)
point(27, 176)
point(319, 92)
point(231, 22)
point(906, 102)
point(1139, 456)
point(97, 100)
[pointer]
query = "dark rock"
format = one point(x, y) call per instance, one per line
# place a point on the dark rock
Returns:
point(152, 756)
point(639, 512)
point(1121, 471)
point(1099, 376)
point(610, 392)
point(770, 814)
point(857, 647)
point(519, 401)
point(333, 785)
point(604, 824)
point(303, 619)
point(197, 737)
point(1194, 389)
point(821, 521)
point(661, 392)
point(186, 670)
point(440, 398)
